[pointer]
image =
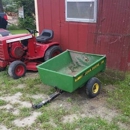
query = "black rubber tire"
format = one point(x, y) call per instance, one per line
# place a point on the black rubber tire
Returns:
point(13, 69)
point(93, 87)
point(2, 68)
point(50, 52)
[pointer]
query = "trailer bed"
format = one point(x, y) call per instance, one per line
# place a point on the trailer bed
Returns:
point(71, 69)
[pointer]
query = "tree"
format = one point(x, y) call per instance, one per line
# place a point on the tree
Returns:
point(1, 6)
point(9, 6)
point(6, 2)
point(28, 6)
point(29, 11)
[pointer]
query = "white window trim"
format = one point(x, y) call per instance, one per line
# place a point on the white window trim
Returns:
point(37, 15)
point(82, 20)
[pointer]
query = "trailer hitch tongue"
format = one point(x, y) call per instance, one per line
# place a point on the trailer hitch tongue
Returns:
point(51, 97)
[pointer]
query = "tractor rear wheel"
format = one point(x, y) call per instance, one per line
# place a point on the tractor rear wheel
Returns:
point(51, 52)
point(17, 69)
point(93, 87)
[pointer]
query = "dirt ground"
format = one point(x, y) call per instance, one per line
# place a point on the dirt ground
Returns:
point(96, 107)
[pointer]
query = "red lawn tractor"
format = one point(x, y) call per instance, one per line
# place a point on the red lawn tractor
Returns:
point(25, 51)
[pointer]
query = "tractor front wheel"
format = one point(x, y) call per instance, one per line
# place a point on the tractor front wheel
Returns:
point(93, 87)
point(51, 52)
point(17, 69)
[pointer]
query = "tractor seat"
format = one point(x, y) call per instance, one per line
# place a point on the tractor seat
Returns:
point(45, 36)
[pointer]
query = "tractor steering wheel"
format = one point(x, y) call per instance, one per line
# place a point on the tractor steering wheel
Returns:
point(32, 31)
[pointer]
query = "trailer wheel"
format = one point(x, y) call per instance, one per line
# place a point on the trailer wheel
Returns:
point(51, 52)
point(17, 69)
point(93, 87)
point(2, 68)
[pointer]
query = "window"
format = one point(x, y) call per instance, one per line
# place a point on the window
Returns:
point(81, 10)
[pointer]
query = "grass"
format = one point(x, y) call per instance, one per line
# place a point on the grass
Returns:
point(56, 117)
point(111, 76)
point(18, 31)
point(120, 97)
point(123, 119)
point(6, 118)
point(24, 112)
point(89, 124)
point(2, 102)
point(52, 117)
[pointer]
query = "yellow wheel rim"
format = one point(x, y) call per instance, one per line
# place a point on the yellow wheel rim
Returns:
point(95, 88)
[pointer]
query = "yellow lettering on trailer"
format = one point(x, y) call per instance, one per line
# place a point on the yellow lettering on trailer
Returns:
point(88, 71)
point(102, 62)
point(94, 67)
point(78, 78)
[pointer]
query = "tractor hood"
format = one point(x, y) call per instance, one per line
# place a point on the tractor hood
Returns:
point(4, 32)
point(14, 38)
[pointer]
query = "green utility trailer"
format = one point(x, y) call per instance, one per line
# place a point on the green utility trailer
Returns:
point(71, 70)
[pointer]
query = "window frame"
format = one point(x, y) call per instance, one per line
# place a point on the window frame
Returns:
point(81, 19)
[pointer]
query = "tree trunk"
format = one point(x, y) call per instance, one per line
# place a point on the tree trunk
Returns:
point(1, 6)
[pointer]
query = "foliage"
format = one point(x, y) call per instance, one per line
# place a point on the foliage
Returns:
point(29, 12)
point(1, 6)
point(6, 2)
point(28, 6)
point(120, 97)
point(13, 27)
point(27, 22)
point(2, 102)
point(11, 8)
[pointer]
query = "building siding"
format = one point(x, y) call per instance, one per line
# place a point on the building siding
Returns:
point(110, 35)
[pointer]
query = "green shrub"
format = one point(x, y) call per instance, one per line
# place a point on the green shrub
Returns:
point(27, 22)
point(13, 27)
